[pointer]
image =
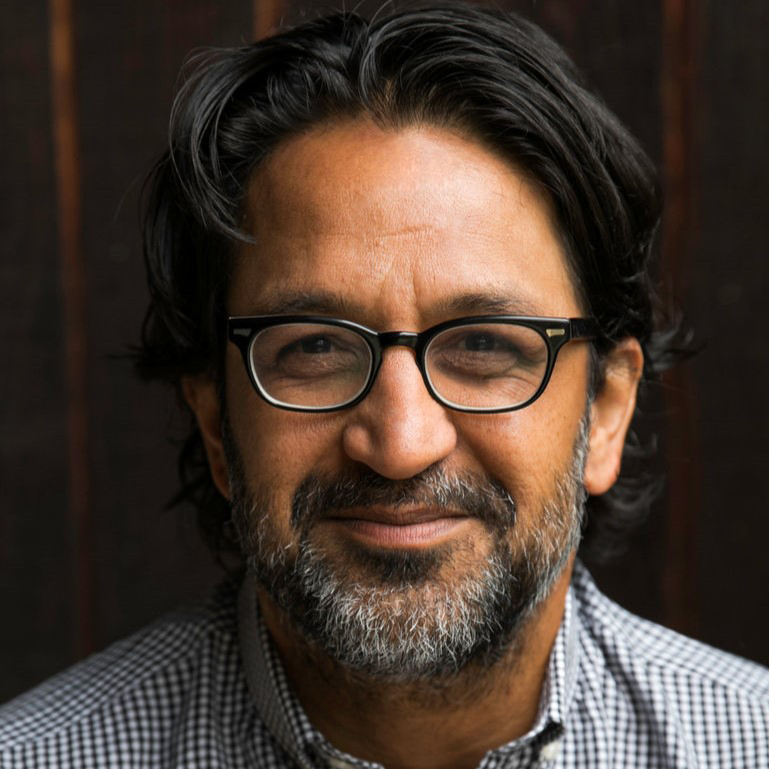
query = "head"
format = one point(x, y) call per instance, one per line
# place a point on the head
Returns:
point(400, 173)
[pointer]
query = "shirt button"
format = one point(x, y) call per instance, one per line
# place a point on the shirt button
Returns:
point(551, 750)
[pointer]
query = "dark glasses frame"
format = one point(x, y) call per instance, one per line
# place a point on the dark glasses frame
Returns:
point(556, 332)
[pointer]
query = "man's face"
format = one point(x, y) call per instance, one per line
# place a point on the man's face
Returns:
point(398, 511)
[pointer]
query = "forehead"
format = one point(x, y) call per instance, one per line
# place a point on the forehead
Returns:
point(411, 223)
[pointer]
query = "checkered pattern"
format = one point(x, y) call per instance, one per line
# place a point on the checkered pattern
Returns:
point(204, 688)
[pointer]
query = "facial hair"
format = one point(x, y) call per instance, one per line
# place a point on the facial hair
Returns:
point(410, 615)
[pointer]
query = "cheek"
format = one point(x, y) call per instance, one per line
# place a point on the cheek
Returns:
point(278, 448)
point(511, 452)
point(528, 451)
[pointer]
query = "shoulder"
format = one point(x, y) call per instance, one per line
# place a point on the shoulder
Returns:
point(692, 699)
point(128, 698)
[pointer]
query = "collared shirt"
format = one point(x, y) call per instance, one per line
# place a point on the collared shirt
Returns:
point(205, 688)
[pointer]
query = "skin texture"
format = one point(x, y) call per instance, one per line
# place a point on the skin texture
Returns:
point(400, 230)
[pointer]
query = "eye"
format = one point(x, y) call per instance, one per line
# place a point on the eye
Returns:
point(314, 365)
point(312, 345)
point(474, 343)
point(309, 351)
point(480, 341)
point(486, 351)
point(316, 351)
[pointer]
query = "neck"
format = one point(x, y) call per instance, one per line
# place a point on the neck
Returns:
point(445, 724)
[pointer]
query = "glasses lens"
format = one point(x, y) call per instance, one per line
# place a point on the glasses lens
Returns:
point(487, 365)
point(310, 365)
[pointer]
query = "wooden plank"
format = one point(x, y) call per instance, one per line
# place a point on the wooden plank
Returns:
point(36, 546)
point(681, 56)
point(67, 166)
point(729, 277)
point(267, 15)
point(146, 559)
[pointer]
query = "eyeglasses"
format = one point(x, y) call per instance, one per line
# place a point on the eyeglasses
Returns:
point(484, 364)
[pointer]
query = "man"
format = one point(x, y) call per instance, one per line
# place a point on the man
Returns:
point(399, 273)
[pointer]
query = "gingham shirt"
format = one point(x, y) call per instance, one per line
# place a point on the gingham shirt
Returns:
point(204, 688)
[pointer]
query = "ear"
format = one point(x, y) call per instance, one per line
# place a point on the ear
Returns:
point(610, 415)
point(200, 394)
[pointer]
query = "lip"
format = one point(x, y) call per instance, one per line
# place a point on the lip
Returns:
point(399, 528)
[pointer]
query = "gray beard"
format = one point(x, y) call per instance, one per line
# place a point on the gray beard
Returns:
point(391, 615)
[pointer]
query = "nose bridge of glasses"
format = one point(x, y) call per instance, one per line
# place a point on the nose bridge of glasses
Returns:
point(408, 339)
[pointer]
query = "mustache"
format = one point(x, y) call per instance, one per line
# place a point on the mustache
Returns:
point(466, 493)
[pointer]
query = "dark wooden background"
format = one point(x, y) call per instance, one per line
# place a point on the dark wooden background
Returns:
point(87, 551)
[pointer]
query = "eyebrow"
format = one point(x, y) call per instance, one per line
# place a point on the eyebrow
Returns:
point(312, 302)
point(482, 303)
point(337, 305)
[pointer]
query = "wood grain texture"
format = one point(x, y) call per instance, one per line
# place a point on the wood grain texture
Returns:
point(267, 15)
point(66, 141)
point(147, 558)
point(38, 633)
point(728, 278)
point(679, 90)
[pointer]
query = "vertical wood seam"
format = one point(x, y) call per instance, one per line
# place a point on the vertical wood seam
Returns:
point(680, 71)
point(66, 143)
point(266, 17)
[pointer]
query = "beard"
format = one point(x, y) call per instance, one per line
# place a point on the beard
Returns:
point(403, 615)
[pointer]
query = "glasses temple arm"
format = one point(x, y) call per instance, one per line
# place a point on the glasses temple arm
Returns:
point(583, 328)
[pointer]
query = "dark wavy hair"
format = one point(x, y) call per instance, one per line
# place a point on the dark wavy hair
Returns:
point(488, 74)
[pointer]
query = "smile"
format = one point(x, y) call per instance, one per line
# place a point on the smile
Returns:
point(398, 528)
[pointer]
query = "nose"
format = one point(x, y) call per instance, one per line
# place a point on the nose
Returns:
point(398, 430)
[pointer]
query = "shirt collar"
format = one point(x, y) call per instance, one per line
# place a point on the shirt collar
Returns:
point(287, 722)
point(279, 709)
point(561, 683)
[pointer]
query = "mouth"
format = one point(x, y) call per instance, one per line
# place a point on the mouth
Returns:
point(419, 527)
